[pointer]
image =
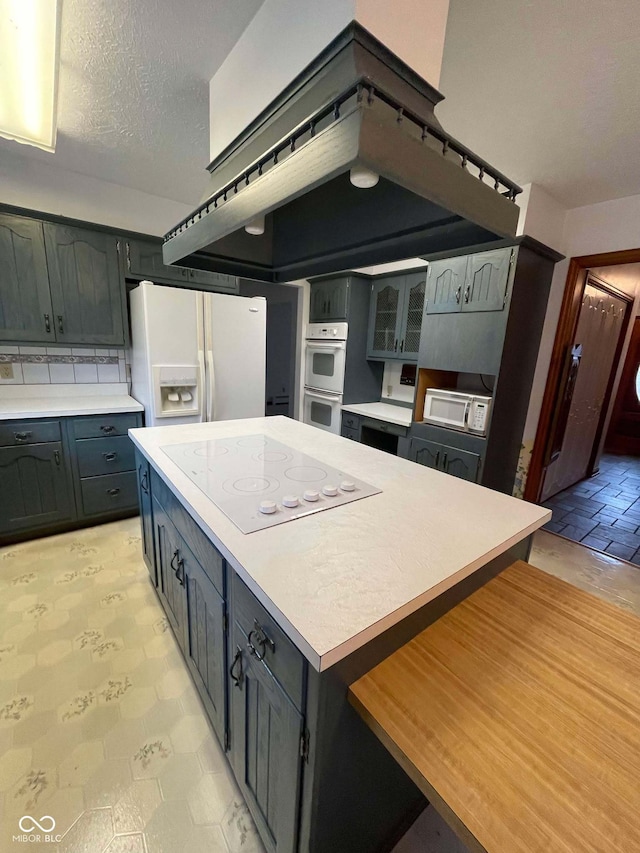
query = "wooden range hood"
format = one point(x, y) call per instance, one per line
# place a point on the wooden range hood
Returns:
point(356, 103)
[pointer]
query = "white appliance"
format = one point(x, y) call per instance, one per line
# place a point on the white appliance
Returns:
point(197, 356)
point(258, 482)
point(325, 361)
point(457, 410)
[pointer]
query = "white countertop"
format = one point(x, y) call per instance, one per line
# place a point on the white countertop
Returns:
point(41, 401)
point(381, 411)
point(337, 579)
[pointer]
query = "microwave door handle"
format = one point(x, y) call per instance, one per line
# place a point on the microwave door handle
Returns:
point(467, 410)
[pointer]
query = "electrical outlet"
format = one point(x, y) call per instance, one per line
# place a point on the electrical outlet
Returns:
point(6, 370)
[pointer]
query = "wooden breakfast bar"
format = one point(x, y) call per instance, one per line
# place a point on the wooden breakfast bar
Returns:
point(517, 714)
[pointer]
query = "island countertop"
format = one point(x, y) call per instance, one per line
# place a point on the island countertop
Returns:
point(336, 579)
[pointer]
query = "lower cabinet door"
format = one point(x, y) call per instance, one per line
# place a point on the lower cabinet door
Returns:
point(428, 453)
point(205, 641)
point(266, 735)
point(460, 463)
point(170, 563)
point(146, 515)
point(34, 489)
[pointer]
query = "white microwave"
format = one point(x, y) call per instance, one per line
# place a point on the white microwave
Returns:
point(457, 410)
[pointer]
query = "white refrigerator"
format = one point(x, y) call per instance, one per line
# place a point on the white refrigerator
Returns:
point(197, 356)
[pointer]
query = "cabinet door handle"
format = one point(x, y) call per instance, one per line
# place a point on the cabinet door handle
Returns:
point(144, 482)
point(110, 457)
point(22, 436)
point(437, 458)
point(56, 457)
point(178, 567)
point(467, 292)
point(444, 462)
point(261, 639)
point(395, 346)
point(47, 323)
point(108, 429)
point(458, 292)
point(402, 345)
point(113, 492)
point(60, 324)
point(237, 678)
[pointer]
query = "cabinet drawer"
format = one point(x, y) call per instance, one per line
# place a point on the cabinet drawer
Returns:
point(104, 425)
point(350, 421)
point(98, 456)
point(350, 433)
point(282, 658)
point(111, 493)
point(15, 433)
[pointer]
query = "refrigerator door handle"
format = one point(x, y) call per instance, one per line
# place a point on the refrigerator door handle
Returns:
point(204, 396)
point(211, 386)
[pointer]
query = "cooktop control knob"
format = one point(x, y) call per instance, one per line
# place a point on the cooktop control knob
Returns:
point(268, 507)
point(290, 500)
point(330, 491)
point(311, 495)
point(347, 486)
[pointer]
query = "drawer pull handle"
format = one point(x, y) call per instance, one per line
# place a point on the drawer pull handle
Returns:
point(107, 429)
point(178, 567)
point(237, 678)
point(113, 492)
point(257, 637)
point(22, 436)
point(47, 324)
point(110, 457)
point(60, 324)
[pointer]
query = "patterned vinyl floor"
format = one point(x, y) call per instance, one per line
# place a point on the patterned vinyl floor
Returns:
point(100, 726)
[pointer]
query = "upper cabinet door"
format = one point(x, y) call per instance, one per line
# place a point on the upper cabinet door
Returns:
point(25, 303)
point(385, 318)
point(86, 286)
point(329, 300)
point(415, 286)
point(446, 282)
point(487, 280)
point(144, 259)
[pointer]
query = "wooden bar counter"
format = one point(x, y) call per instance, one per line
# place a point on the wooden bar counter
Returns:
point(517, 714)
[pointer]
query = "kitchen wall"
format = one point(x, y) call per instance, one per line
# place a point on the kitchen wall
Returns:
point(391, 387)
point(37, 365)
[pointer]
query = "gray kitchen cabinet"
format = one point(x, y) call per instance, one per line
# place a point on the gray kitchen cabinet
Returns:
point(36, 489)
point(146, 514)
point(25, 300)
point(205, 641)
point(469, 283)
point(170, 568)
point(267, 733)
point(87, 290)
point(329, 300)
point(443, 457)
point(144, 261)
point(395, 316)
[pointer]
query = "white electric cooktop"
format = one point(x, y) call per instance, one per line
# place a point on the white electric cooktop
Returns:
point(258, 482)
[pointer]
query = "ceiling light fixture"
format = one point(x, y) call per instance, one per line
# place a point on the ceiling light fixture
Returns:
point(255, 227)
point(29, 68)
point(362, 177)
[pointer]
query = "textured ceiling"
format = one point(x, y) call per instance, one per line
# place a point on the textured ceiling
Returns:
point(547, 91)
point(133, 101)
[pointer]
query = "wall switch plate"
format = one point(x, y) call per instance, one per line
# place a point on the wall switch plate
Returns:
point(6, 370)
point(389, 390)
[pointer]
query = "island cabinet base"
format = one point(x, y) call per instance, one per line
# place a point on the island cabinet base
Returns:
point(314, 776)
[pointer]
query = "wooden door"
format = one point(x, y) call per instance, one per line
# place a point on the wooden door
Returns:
point(600, 323)
point(445, 283)
point(35, 490)
point(427, 453)
point(205, 650)
point(170, 566)
point(385, 317)
point(487, 280)
point(86, 286)
point(25, 301)
point(266, 737)
point(413, 306)
point(624, 430)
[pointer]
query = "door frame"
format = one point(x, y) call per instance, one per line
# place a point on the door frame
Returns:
point(576, 281)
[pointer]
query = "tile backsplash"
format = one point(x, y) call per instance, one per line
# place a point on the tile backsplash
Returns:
point(33, 365)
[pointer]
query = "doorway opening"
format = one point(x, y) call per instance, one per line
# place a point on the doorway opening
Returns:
point(586, 457)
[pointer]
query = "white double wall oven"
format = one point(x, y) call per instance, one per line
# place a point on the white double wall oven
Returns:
point(326, 352)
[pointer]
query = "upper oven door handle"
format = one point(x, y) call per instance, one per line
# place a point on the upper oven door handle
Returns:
point(326, 345)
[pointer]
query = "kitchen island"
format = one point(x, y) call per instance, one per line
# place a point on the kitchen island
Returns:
point(276, 624)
